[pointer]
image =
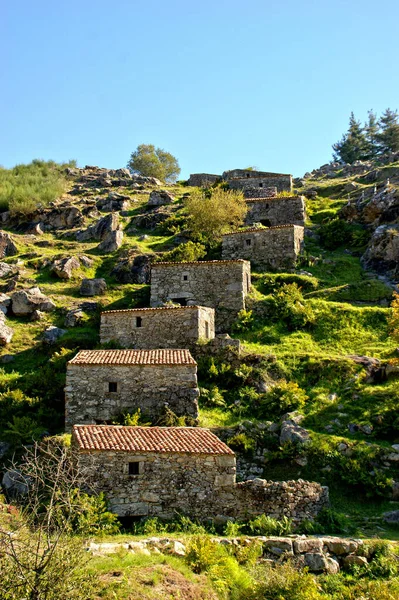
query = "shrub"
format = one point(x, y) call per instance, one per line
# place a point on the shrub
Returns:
point(93, 516)
point(244, 322)
point(273, 282)
point(289, 304)
point(337, 232)
point(188, 252)
point(265, 525)
point(241, 442)
point(283, 397)
point(285, 582)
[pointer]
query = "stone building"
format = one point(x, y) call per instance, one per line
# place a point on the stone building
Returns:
point(275, 248)
point(257, 184)
point(102, 384)
point(203, 179)
point(276, 211)
point(219, 284)
point(164, 327)
point(164, 471)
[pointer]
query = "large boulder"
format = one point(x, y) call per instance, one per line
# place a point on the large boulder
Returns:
point(25, 302)
point(5, 302)
point(7, 245)
point(52, 335)
point(65, 216)
point(14, 483)
point(159, 198)
point(6, 270)
point(150, 220)
point(6, 332)
point(111, 242)
point(99, 230)
point(113, 202)
point(133, 269)
point(64, 267)
point(93, 287)
point(290, 432)
point(382, 253)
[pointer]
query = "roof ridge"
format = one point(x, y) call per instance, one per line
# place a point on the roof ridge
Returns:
point(133, 356)
point(256, 229)
point(152, 308)
point(200, 262)
point(269, 198)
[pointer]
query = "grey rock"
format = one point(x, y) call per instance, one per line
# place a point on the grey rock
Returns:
point(7, 245)
point(340, 546)
point(391, 517)
point(293, 433)
point(278, 545)
point(111, 242)
point(14, 483)
point(353, 559)
point(7, 358)
point(6, 332)
point(99, 230)
point(160, 198)
point(6, 269)
point(86, 261)
point(53, 334)
point(37, 315)
point(93, 287)
point(5, 302)
point(73, 318)
point(25, 302)
point(316, 562)
point(133, 269)
point(64, 267)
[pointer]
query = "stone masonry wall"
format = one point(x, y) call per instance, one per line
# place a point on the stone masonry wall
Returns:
point(244, 179)
point(203, 179)
point(148, 387)
point(257, 192)
point(277, 211)
point(158, 328)
point(272, 248)
point(222, 285)
point(200, 486)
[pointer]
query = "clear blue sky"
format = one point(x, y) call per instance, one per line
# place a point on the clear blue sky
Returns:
point(220, 84)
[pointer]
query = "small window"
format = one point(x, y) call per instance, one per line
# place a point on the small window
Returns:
point(185, 277)
point(134, 468)
point(139, 321)
point(207, 330)
point(247, 174)
point(248, 242)
point(112, 387)
point(261, 185)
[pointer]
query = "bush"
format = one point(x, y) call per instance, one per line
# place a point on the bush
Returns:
point(337, 232)
point(265, 525)
point(273, 282)
point(285, 582)
point(283, 397)
point(188, 252)
point(241, 442)
point(289, 304)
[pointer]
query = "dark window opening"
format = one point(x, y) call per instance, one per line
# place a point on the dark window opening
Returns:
point(261, 185)
point(112, 386)
point(266, 222)
point(181, 301)
point(139, 321)
point(206, 329)
point(247, 174)
point(248, 242)
point(134, 468)
point(185, 277)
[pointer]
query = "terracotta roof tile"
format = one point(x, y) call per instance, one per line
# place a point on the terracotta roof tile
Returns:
point(258, 229)
point(198, 262)
point(148, 439)
point(126, 310)
point(133, 357)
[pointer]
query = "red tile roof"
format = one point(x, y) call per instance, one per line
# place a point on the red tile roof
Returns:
point(258, 229)
point(119, 438)
point(133, 357)
point(124, 310)
point(198, 262)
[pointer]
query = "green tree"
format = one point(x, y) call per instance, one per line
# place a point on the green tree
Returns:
point(388, 137)
point(215, 212)
point(149, 161)
point(371, 130)
point(353, 144)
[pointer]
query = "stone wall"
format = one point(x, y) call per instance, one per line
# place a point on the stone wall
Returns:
point(244, 179)
point(257, 192)
point(148, 387)
point(203, 179)
point(277, 211)
point(222, 285)
point(272, 248)
point(197, 485)
point(167, 327)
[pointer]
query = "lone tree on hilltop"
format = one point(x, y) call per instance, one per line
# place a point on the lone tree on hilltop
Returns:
point(215, 212)
point(149, 161)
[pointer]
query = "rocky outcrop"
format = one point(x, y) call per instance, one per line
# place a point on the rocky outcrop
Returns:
point(52, 335)
point(25, 302)
point(113, 202)
point(150, 220)
point(63, 216)
point(99, 230)
point(293, 433)
point(159, 198)
point(64, 267)
point(133, 268)
point(96, 177)
point(7, 245)
point(5, 302)
point(382, 253)
point(6, 270)
point(6, 332)
point(73, 318)
point(93, 287)
point(111, 242)
point(379, 208)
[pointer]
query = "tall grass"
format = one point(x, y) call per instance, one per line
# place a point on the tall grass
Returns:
point(25, 188)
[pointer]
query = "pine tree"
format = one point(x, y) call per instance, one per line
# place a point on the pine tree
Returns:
point(353, 145)
point(388, 137)
point(371, 130)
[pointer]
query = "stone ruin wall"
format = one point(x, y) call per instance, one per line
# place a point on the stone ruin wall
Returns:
point(163, 328)
point(272, 248)
point(197, 485)
point(257, 192)
point(277, 211)
point(222, 285)
point(203, 179)
point(243, 179)
point(148, 387)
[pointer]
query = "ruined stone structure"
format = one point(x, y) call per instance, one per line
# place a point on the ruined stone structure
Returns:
point(102, 384)
point(219, 284)
point(161, 471)
point(272, 248)
point(276, 211)
point(253, 182)
point(164, 327)
point(203, 179)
